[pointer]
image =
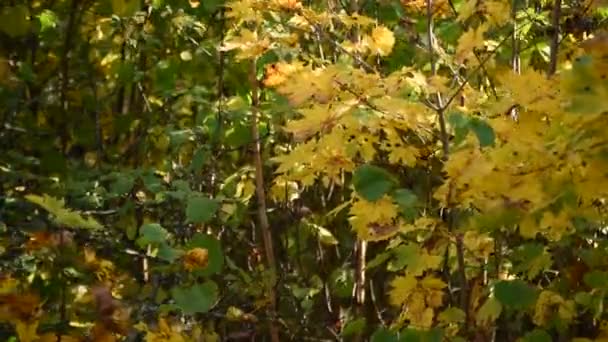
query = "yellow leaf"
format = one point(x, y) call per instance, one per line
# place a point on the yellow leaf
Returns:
point(489, 311)
point(498, 12)
point(248, 44)
point(26, 331)
point(382, 41)
point(467, 8)
point(125, 8)
point(528, 228)
point(469, 41)
point(196, 258)
point(402, 288)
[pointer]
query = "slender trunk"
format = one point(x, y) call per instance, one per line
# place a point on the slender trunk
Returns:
point(444, 137)
point(555, 18)
point(65, 68)
point(261, 199)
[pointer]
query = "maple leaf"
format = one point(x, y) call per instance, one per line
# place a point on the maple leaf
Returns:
point(498, 12)
point(469, 41)
point(248, 44)
point(278, 73)
point(467, 9)
point(381, 41)
point(402, 287)
point(288, 4)
point(546, 305)
point(243, 10)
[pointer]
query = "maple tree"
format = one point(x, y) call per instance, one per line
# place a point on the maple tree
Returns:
point(289, 170)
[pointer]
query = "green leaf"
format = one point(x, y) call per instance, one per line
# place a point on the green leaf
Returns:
point(123, 184)
point(354, 327)
point(516, 294)
point(537, 335)
point(238, 135)
point(168, 253)
point(323, 234)
point(216, 255)
point(372, 182)
point(198, 160)
point(201, 209)
point(152, 233)
point(483, 131)
point(14, 20)
point(48, 20)
point(452, 315)
point(596, 279)
point(384, 335)
point(125, 8)
point(583, 298)
point(460, 124)
point(406, 199)
point(199, 298)
point(61, 215)
point(489, 311)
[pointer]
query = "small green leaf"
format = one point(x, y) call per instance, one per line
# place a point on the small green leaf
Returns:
point(123, 184)
point(596, 279)
point(583, 298)
point(324, 235)
point(196, 299)
point(354, 327)
point(406, 199)
point(48, 20)
point(14, 20)
point(61, 215)
point(168, 253)
point(201, 209)
point(537, 335)
point(460, 124)
point(483, 131)
point(516, 294)
point(489, 311)
point(152, 233)
point(198, 160)
point(384, 335)
point(452, 315)
point(372, 182)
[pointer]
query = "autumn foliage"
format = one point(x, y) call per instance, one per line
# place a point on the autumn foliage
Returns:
point(287, 170)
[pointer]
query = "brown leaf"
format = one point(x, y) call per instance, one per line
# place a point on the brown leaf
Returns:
point(196, 258)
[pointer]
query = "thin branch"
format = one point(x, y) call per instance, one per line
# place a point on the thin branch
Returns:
point(451, 213)
point(474, 72)
point(261, 198)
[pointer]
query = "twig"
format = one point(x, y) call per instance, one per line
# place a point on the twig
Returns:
point(261, 198)
point(477, 68)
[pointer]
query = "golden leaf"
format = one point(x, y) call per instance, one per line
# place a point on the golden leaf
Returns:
point(381, 41)
point(471, 40)
point(196, 258)
point(26, 331)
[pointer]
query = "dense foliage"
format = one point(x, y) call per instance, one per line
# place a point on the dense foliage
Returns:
point(414, 170)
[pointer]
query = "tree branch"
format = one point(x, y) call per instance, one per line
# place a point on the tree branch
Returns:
point(261, 198)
